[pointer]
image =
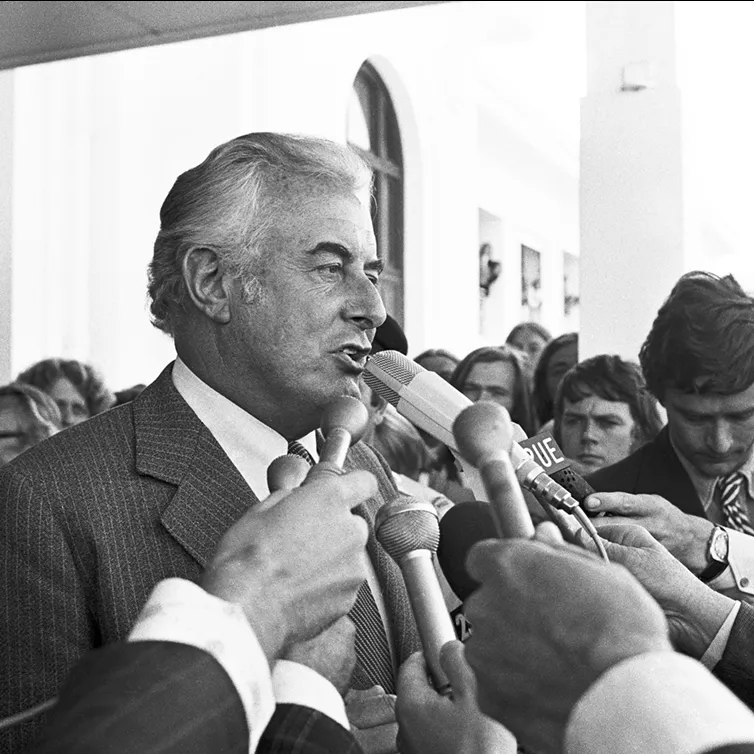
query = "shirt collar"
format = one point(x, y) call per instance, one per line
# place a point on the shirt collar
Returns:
point(250, 444)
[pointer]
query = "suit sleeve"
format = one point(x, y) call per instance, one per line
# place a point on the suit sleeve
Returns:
point(300, 730)
point(45, 625)
point(147, 696)
point(736, 666)
point(661, 702)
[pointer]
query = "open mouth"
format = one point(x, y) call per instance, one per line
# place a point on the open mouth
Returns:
point(355, 354)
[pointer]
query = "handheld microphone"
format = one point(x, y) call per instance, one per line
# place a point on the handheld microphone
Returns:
point(409, 531)
point(428, 401)
point(343, 423)
point(484, 435)
point(286, 473)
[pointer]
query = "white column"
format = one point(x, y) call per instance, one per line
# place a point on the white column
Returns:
point(6, 224)
point(633, 232)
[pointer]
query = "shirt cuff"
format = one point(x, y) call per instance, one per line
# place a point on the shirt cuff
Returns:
point(741, 560)
point(182, 612)
point(717, 646)
point(294, 683)
point(659, 702)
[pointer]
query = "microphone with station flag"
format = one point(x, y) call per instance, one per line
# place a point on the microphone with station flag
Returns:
point(409, 531)
point(429, 402)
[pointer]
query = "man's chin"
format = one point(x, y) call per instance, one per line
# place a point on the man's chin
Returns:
point(714, 469)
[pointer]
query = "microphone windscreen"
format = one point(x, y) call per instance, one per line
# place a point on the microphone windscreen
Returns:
point(461, 527)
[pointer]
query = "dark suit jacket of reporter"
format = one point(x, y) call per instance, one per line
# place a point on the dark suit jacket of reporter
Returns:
point(93, 518)
point(655, 469)
point(652, 469)
point(159, 696)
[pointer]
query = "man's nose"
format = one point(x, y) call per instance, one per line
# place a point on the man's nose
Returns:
point(366, 305)
point(720, 437)
point(589, 434)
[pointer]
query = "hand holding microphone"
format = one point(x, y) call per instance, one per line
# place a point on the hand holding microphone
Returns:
point(343, 423)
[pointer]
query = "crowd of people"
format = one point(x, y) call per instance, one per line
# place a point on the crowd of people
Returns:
point(161, 594)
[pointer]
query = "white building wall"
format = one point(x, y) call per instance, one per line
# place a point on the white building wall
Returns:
point(98, 142)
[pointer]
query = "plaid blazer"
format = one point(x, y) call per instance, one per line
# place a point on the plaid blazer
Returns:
point(121, 699)
point(94, 517)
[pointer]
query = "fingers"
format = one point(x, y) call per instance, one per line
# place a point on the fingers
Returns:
point(548, 533)
point(485, 557)
point(378, 740)
point(370, 708)
point(626, 533)
point(413, 677)
point(352, 488)
point(622, 503)
point(460, 675)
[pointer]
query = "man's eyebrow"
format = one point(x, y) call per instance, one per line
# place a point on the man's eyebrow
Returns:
point(331, 247)
point(7, 435)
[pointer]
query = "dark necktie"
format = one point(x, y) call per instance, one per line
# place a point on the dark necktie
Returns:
point(372, 649)
point(734, 513)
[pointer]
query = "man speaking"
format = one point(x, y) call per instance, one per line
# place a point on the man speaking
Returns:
point(265, 274)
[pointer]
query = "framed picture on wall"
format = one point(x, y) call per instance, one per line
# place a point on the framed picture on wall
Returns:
point(531, 285)
point(571, 294)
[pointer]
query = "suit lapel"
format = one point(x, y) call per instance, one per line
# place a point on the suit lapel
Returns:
point(663, 474)
point(174, 446)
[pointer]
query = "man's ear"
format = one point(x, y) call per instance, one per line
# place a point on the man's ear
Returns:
point(208, 283)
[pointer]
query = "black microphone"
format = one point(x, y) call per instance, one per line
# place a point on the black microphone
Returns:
point(409, 532)
point(461, 528)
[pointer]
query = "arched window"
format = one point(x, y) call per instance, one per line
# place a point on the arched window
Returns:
point(373, 131)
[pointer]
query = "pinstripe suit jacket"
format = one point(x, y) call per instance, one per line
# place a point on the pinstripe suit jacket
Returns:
point(121, 699)
point(94, 517)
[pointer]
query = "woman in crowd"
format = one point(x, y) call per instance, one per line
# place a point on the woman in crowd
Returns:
point(557, 358)
point(77, 388)
point(27, 416)
point(439, 361)
point(530, 338)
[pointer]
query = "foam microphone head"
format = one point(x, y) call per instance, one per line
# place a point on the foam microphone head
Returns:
point(461, 528)
point(286, 473)
point(346, 414)
point(403, 526)
point(396, 367)
point(482, 431)
point(343, 423)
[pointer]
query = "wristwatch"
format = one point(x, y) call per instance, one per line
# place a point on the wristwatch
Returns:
point(717, 554)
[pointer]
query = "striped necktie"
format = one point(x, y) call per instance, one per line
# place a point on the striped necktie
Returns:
point(295, 448)
point(372, 649)
point(734, 513)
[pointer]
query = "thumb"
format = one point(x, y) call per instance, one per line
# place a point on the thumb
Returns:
point(484, 557)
